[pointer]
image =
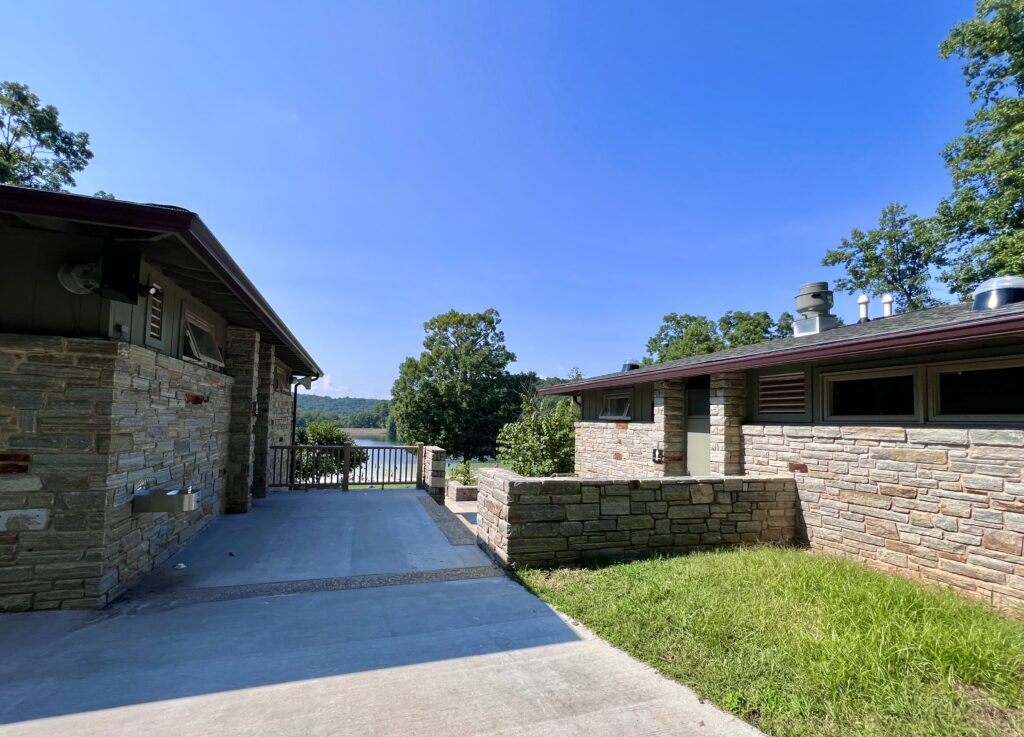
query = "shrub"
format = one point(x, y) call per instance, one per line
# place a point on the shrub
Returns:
point(312, 466)
point(463, 473)
point(540, 443)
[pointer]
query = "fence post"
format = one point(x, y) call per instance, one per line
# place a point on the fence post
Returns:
point(291, 468)
point(419, 466)
point(346, 463)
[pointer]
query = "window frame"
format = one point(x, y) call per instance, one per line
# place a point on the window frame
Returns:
point(628, 396)
point(933, 371)
point(826, 379)
point(190, 319)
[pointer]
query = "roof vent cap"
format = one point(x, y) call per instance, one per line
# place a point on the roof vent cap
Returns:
point(998, 292)
point(630, 364)
point(814, 305)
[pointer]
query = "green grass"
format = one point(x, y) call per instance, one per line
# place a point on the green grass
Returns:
point(800, 644)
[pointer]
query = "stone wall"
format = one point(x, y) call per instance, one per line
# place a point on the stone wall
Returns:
point(169, 424)
point(728, 408)
point(626, 449)
point(55, 404)
point(944, 505)
point(434, 470)
point(82, 424)
point(545, 521)
point(241, 361)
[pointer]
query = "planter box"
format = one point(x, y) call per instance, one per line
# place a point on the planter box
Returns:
point(171, 501)
point(459, 492)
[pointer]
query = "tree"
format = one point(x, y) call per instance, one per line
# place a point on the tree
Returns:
point(540, 443)
point(459, 393)
point(312, 466)
point(682, 336)
point(35, 150)
point(897, 257)
point(984, 215)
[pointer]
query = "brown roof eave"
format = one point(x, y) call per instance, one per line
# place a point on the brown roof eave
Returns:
point(980, 329)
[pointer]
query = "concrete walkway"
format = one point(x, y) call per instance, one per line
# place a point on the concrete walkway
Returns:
point(478, 656)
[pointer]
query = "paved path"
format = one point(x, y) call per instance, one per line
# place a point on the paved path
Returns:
point(472, 656)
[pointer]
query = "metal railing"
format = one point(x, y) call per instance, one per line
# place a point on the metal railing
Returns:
point(342, 466)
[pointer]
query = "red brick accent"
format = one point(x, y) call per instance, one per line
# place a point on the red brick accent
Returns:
point(797, 467)
point(621, 425)
point(617, 456)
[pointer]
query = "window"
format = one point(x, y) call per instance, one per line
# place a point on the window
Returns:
point(782, 394)
point(616, 407)
point(199, 344)
point(155, 314)
point(978, 390)
point(871, 395)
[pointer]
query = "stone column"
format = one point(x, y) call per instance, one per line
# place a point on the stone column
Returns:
point(264, 399)
point(728, 407)
point(435, 465)
point(670, 418)
point(241, 361)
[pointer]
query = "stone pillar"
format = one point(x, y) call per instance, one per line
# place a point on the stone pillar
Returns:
point(435, 465)
point(728, 407)
point(265, 402)
point(670, 418)
point(241, 361)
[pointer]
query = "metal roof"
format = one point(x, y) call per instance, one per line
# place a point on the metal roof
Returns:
point(933, 327)
point(179, 243)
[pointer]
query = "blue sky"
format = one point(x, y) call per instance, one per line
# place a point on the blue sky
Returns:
point(582, 167)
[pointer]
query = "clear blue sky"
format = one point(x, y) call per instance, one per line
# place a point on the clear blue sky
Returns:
point(582, 167)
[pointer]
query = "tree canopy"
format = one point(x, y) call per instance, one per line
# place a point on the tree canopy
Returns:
point(682, 336)
point(984, 214)
point(35, 149)
point(897, 257)
point(459, 392)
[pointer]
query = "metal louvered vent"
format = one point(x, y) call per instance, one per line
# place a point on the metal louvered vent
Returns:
point(156, 313)
point(782, 394)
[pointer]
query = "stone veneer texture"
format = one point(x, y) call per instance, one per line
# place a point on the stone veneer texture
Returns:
point(545, 521)
point(944, 505)
point(82, 422)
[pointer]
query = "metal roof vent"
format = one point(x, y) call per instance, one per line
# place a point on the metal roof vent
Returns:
point(630, 364)
point(814, 304)
point(998, 292)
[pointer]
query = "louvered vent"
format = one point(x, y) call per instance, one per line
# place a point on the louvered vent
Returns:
point(156, 313)
point(782, 394)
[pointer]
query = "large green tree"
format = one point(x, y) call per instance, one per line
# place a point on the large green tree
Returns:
point(35, 149)
point(459, 392)
point(897, 257)
point(984, 215)
point(682, 336)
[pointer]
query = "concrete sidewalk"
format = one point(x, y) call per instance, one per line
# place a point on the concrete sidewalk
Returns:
point(480, 656)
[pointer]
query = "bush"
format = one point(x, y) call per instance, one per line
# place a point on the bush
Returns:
point(312, 466)
point(463, 473)
point(540, 443)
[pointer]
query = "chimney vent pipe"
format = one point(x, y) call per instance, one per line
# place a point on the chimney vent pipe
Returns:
point(863, 301)
point(887, 301)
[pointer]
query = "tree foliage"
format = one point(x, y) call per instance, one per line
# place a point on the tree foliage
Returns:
point(984, 215)
point(311, 466)
point(540, 443)
point(897, 257)
point(459, 392)
point(35, 150)
point(682, 336)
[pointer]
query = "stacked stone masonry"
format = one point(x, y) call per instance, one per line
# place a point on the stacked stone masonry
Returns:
point(435, 466)
point(626, 449)
point(551, 521)
point(83, 423)
point(241, 361)
point(728, 405)
point(944, 505)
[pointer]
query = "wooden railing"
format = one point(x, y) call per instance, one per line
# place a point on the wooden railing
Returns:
point(341, 466)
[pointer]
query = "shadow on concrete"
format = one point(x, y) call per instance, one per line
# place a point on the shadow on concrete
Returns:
point(71, 662)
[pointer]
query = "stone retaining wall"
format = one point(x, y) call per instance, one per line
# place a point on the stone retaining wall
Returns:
point(534, 521)
point(941, 504)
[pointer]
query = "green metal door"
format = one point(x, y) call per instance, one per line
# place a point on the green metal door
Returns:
point(698, 427)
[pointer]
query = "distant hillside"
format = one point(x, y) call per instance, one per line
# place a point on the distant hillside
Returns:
point(335, 405)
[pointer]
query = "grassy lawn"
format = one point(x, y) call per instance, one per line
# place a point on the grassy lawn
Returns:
point(800, 644)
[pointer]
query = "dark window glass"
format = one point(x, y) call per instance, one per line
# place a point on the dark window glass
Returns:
point(998, 391)
point(871, 397)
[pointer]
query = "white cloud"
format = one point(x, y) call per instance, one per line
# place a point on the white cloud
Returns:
point(325, 386)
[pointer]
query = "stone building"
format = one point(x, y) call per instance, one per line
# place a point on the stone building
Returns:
point(904, 434)
point(135, 358)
